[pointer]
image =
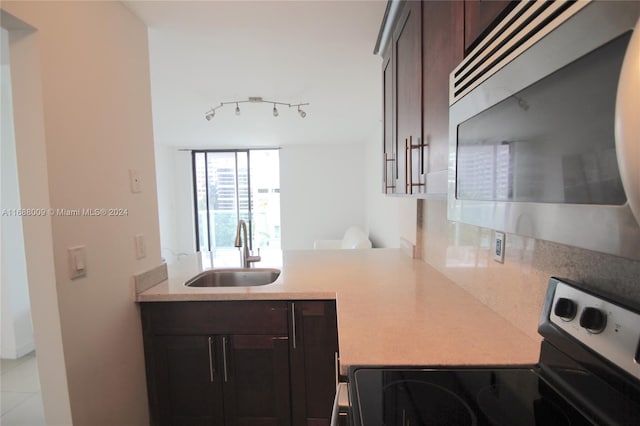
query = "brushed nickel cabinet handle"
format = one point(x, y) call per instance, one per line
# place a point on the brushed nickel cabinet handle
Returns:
point(337, 360)
point(211, 369)
point(407, 153)
point(384, 172)
point(385, 161)
point(397, 153)
point(421, 146)
point(410, 168)
point(224, 358)
point(293, 323)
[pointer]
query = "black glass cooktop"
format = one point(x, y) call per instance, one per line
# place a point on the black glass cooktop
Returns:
point(464, 396)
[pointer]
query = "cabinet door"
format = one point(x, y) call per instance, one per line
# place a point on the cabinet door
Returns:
point(442, 51)
point(314, 361)
point(256, 380)
point(480, 17)
point(187, 390)
point(390, 154)
point(407, 56)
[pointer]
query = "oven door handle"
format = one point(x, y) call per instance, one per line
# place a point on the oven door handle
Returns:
point(341, 406)
point(334, 411)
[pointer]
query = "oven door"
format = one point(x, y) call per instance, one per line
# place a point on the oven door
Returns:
point(532, 141)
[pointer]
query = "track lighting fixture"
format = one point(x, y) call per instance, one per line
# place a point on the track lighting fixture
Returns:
point(256, 100)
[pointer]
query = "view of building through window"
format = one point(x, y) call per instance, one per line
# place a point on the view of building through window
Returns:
point(235, 185)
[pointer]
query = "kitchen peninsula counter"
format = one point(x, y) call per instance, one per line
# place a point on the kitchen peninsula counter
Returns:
point(392, 310)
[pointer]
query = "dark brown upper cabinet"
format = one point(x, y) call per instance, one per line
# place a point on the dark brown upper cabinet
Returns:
point(442, 47)
point(402, 159)
point(407, 64)
point(426, 43)
point(389, 147)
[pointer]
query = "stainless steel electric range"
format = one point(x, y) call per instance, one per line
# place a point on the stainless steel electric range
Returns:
point(588, 374)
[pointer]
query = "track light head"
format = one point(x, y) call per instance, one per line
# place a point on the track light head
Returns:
point(302, 113)
point(210, 115)
point(275, 111)
point(237, 109)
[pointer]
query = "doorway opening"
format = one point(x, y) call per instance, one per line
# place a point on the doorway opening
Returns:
point(21, 42)
point(20, 384)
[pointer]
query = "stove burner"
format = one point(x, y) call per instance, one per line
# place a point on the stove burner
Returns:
point(422, 403)
point(503, 408)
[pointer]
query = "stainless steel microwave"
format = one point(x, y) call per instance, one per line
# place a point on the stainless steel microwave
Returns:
point(543, 125)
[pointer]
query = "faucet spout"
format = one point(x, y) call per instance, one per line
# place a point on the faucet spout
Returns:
point(242, 226)
point(241, 242)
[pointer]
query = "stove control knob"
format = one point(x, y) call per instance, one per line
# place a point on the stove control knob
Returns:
point(565, 309)
point(593, 319)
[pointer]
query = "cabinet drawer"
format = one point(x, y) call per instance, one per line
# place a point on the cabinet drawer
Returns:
point(183, 318)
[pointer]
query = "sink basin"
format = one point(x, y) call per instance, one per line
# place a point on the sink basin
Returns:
point(234, 277)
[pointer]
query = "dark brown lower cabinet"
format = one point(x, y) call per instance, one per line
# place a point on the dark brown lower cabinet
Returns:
point(188, 390)
point(314, 362)
point(221, 380)
point(256, 389)
point(257, 363)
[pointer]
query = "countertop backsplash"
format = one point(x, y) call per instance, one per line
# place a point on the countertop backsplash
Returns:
point(516, 288)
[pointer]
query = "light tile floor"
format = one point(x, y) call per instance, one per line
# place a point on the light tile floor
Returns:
point(20, 397)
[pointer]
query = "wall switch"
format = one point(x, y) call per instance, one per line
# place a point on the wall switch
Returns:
point(77, 262)
point(498, 247)
point(141, 246)
point(134, 178)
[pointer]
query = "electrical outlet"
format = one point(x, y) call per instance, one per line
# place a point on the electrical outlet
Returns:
point(134, 179)
point(499, 247)
point(140, 246)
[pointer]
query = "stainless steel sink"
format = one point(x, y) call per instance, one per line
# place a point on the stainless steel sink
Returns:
point(234, 277)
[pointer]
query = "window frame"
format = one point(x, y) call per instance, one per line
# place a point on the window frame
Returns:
point(249, 209)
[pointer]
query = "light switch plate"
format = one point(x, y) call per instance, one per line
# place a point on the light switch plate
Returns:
point(77, 262)
point(498, 247)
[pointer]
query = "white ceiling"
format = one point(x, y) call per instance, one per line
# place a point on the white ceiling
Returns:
point(207, 52)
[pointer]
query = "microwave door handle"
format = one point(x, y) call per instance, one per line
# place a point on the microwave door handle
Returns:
point(627, 125)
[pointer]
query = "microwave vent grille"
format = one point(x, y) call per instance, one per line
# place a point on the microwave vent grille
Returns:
point(528, 22)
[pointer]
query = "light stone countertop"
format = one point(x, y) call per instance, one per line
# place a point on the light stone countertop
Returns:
point(392, 310)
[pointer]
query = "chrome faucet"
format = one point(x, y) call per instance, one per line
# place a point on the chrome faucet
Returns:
point(247, 257)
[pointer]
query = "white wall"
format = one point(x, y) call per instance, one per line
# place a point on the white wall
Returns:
point(17, 332)
point(91, 69)
point(175, 202)
point(322, 192)
point(381, 210)
point(389, 218)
